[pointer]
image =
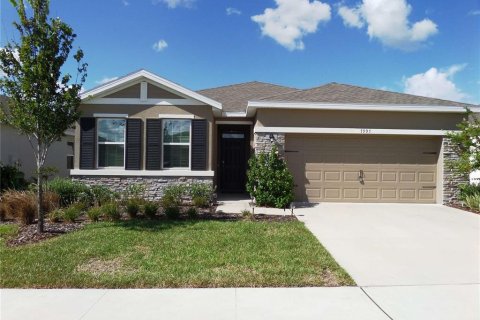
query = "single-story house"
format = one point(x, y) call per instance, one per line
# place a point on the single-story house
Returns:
point(341, 142)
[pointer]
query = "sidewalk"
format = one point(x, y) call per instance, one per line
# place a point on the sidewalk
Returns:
point(229, 303)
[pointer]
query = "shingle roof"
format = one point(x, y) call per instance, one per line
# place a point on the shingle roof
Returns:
point(344, 93)
point(234, 97)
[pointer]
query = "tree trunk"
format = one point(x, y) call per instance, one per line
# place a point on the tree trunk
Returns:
point(39, 202)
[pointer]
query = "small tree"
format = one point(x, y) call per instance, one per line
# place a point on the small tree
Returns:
point(269, 181)
point(466, 144)
point(43, 102)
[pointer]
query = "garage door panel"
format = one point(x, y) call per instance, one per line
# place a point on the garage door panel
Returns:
point(395, 169)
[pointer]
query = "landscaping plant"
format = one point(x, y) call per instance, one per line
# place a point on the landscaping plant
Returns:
point(172, 212)
point(69, 191)
point(269, 181)
point(472, 201)
point(133, 206)
point(11, 178)
point(43, 100)
point(192, 212)
point(111, 211)
point(150, 209)
point(56, 215)
point(71, 213)
point(94, 213)
point(173, 196)
point(201, 194)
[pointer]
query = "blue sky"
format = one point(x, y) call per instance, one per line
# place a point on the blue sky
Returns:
point(426, 47)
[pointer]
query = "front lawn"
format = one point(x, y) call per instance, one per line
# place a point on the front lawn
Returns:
point(194, 253)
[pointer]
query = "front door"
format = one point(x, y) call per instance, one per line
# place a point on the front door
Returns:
point(234, 151)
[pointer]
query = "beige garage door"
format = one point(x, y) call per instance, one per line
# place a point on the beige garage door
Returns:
point(357, 168)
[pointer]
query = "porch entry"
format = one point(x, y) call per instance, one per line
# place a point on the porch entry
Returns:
point(233, 154)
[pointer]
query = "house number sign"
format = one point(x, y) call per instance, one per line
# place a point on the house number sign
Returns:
point(366, 131)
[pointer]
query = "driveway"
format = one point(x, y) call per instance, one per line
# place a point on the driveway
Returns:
point(414, 261)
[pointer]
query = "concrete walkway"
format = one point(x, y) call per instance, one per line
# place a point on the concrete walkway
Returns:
point(245, 303)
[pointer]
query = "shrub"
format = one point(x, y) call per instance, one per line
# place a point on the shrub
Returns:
point(20, 205)
point(11, 178)
point(69, 191)
point(192, 212)
point(135, 191)
point(172, 195)
point(246, 214)
point(150, 209)
point(111, 211)
point(172, 212)
point(269, 181)
point(201, 194)
point(468, 190)
point(102, 194)
point(55, 215)
point(71, 213)
point(133, 206)
point(94, 213)
point(472, 201)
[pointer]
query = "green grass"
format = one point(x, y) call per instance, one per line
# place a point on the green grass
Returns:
point(149, 254)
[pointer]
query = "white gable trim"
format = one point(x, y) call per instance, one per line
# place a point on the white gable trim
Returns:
point(152, 102)
point(254, 105)
point(156, 80)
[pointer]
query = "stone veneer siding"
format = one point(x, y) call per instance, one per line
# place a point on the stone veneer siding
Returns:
point(154, 185)
point(264, 144)
point(451, 178)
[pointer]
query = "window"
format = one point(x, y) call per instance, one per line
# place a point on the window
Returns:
point(111, 142)
point(176, 143)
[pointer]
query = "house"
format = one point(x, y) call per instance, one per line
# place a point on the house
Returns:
point(341, 142)
point(15, 150)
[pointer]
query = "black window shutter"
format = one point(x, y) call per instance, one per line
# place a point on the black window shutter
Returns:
point(87, 143)
point(154, 144)
point(199, 144)
point(133, 144)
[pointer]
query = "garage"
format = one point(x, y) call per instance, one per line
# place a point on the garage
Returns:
point(363, 168)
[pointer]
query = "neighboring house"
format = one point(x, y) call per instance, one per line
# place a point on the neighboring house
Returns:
point(15, 150)
point(341, 142)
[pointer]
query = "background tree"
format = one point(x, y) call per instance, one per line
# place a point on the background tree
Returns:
point(43, 102)
point(466, 144)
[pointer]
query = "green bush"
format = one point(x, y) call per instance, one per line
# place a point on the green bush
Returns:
point(94, 213)
point(150, 209)
point(71, 213)
point(133, 206)
point(12, 178)
point(55, 215)
point(192, 212)
point(201, 193)
point(468, 190)
point(102, 194)
point(69, 191)
point(172, 212)
point(472, 201)
point(173, 195)
point(111, 211)
point(269, 181)
point(135, 191)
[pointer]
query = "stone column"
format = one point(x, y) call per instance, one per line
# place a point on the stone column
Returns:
point(265, 141)
point(451, 177)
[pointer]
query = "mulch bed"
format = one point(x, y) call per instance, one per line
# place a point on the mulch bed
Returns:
point(29, 234)
point(457, 206)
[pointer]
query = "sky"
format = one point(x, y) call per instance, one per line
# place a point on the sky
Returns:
point(429, 47)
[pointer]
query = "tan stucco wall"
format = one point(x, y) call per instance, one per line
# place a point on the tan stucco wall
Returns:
point(148, 112)
point(357, 119)
point(16, 148)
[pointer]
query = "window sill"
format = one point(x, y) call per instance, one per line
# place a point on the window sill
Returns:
point(142, 173)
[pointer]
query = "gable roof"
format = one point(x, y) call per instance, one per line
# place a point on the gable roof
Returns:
point(234, 98)
point(140, 75)
point(350, 94)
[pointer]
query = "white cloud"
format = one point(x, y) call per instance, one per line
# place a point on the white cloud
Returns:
point(436, 83)
point(474, 13)
point(231, 11)
point(105, 80)
point(160, 45)
point(291, 20)
point(387, 21)
point(351, 17)
point(125, 3)
point(175, 3)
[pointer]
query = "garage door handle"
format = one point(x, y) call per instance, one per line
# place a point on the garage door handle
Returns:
point(429, 187)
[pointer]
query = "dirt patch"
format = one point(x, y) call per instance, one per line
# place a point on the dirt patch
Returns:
point(29, 233)
point(329, 278)
point(99, 267)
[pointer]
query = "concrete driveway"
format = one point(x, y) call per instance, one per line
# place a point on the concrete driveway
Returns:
point(414, 261)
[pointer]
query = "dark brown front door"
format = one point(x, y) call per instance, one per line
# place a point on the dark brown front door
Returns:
point(234, 151)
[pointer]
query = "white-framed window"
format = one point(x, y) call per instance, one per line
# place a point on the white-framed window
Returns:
point(111, 142)
point(176, 142)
